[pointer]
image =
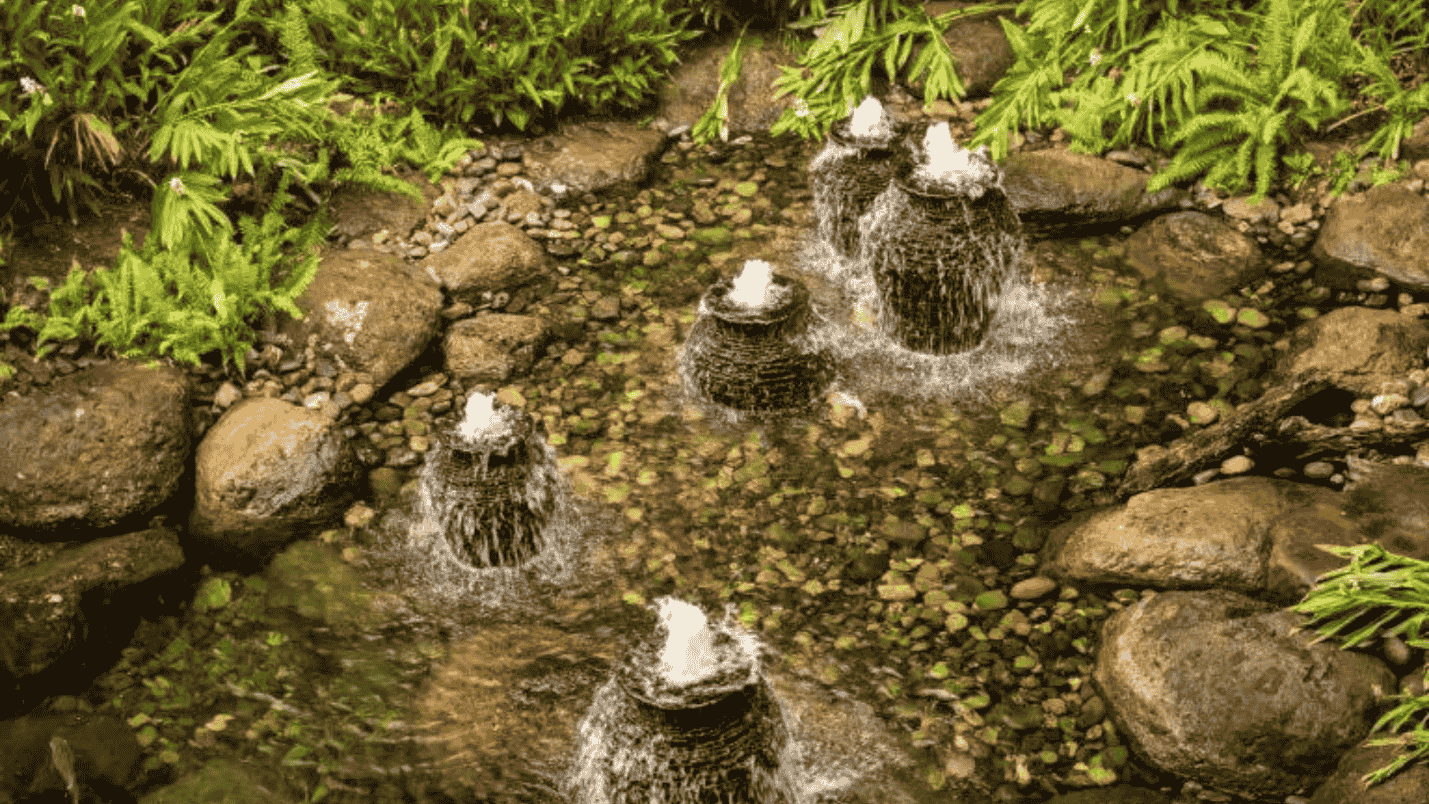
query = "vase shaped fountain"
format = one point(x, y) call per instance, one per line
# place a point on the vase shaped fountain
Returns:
point(748, 348)
point(488, 486)
point(941, 243)
point(863, 154)
point(685, 719)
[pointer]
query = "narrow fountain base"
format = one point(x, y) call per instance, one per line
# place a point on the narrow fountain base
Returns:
point(941, 245)
point(489, 490)
point(705, 730)
point(755, 358)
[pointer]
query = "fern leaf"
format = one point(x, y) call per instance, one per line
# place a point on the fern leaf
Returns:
point(297, 40)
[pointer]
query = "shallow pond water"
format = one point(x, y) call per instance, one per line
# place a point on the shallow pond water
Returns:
point(870, 542)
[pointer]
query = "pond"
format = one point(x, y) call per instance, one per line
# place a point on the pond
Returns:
point(871, 543)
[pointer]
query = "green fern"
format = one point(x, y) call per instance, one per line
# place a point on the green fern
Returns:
point(297, 40)
point(1262, 123)
point(1394, 590)
point(715, 121)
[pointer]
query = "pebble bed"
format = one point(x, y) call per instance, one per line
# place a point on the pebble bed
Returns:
point(899, 569)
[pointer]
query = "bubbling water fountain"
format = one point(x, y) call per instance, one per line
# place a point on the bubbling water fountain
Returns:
point(488, 485)
point(941, 243)
point(685, 719)
point(862, 156)
point(748, 350)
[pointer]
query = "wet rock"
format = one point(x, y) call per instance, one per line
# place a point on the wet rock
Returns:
point(1198, 256)
point(41, 618)
point(264, 473)
point(1344, 785)
point(488, 258)
point(102, 445)
point(1390, 505)
point(593, 156)
point(1215, 687)
point(752, 106)
point(218, 780)
point(1355, 348)
point(358, 210)
point(1252, 534)
point(105, 756)
point(1116, 794)
point(1057, 193)
point(1380, 232)
point(369, 310)
point(491, 347)
point(979, 48)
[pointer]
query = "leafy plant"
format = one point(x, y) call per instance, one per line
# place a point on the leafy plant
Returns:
point(715, 121)
point(835, 74)
point(1229, 144)
point(503, 61)
point(162, 300)
point(1393, 592)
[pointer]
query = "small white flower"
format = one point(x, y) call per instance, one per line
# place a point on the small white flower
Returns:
point(177, 185)
point(801, 108)
point(30, 86)
point(77, 10)
point(1134, 100)
point(1096, 57)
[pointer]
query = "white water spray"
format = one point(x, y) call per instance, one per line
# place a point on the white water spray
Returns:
point(480, 410)
point(947, 163)
point(867, 118)
point(754, 286)
point(689, 650)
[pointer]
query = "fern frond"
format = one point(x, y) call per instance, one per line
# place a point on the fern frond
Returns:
point(297, 40)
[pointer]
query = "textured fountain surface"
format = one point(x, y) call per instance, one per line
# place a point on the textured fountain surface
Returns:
point(686, 719)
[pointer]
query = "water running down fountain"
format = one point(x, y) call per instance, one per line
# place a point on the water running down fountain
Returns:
point(862, 156)
point(685, 719)
point(941, 243)
point(748, 351)
point(488, 487)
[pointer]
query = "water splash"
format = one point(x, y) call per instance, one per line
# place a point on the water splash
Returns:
point(689, 652)
point(868, 120)
point(492, 521)
point(62, 757)
point(480, 411)
point(754, 287)
point(952, 168)
point(663, 732)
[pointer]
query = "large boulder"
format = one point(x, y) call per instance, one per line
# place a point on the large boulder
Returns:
point(1220, 688)
point(1355, 348)
point(103, 445)
point(369, 310)
point(47, 608)
point(266, 472)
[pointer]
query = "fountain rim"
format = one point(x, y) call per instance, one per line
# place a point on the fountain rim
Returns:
point(915, 185)
point(794, 296)
point(645, 685)
point(839, 135)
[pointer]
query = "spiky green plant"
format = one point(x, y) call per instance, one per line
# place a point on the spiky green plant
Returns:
point(1387, 595)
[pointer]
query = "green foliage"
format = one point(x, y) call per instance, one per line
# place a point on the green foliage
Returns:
point(715, 120)
point(162, 300)
point(503, 61)
point(1387, 595)
point(835, 74)
point(1193, 77)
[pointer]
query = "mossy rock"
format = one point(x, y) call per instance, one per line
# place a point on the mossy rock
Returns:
point(315, 582)
point(219, 780)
